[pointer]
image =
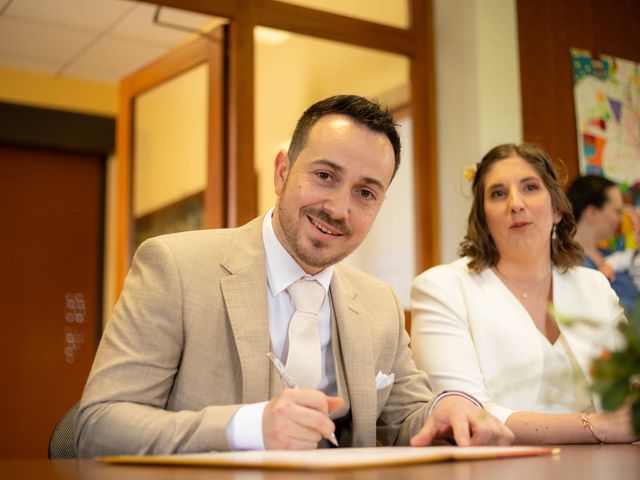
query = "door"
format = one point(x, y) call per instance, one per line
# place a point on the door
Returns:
point(50, 270)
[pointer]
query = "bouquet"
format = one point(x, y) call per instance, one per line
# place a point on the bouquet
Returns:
point(616, 375)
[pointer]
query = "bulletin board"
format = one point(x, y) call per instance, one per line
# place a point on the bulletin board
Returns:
point(607, 104)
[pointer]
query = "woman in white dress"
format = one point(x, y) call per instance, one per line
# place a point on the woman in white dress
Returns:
point(491, 323)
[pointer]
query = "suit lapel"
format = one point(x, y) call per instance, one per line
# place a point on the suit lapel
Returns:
point(357, 355)
point(245, 296)
point(341, 381)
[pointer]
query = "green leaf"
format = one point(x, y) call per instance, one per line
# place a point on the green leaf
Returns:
point(635, 417)
point(602, 385)
point(635, 320)
point(614, 398)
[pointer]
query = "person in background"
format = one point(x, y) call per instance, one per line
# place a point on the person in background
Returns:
point(494, 322)
point(597, 207)
point(182, 366)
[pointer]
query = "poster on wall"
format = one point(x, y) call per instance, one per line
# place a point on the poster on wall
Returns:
point(606, 93)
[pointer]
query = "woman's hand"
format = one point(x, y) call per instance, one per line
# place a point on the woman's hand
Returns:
point(614, 427)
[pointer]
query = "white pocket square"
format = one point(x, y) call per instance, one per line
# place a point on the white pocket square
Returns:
point(384, 380)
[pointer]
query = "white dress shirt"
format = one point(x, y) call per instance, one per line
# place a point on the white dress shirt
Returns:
point(244, 431)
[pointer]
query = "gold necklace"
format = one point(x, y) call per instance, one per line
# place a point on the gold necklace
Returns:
point(523, 291)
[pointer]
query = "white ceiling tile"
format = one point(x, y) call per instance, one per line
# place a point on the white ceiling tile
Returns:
point(111, 57)
point(101, 40)
point(139, 25)
point(93, 15)
point(34, 42)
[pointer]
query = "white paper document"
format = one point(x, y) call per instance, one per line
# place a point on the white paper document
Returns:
point(333, 458)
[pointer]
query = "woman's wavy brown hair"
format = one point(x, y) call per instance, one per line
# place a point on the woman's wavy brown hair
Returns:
point(478, 244)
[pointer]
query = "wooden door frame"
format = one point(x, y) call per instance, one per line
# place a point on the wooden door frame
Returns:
point(415, 42)
point(207, 49)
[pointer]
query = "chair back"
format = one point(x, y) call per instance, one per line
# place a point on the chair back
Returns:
point(62, 443)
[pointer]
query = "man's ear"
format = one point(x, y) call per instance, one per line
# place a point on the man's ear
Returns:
point(589, 213)
point(280, 171)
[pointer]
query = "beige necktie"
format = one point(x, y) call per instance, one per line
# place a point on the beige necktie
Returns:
point(303, 360)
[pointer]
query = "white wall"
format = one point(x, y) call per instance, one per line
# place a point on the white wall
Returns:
point(170, 141)
point(478, 99)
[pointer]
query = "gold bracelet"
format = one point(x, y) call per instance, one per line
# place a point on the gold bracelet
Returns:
point(586, 423)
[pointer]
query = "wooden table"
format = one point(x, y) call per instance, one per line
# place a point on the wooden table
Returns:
point(584, 462)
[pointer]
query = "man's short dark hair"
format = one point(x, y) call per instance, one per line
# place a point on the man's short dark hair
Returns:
point(366, 112)
point(586, 191)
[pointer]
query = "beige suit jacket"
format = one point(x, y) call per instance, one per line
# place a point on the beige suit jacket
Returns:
point(187, 345)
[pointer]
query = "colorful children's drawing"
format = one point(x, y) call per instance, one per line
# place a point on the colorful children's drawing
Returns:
point(607, 102)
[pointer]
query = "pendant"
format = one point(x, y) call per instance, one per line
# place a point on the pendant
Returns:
point(524, 294)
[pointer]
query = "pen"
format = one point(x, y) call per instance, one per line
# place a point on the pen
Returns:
point(288, 381)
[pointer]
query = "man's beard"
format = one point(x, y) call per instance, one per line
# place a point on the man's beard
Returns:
point(291, 234)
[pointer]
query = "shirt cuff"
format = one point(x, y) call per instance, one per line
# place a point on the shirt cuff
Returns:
point(448, 393)
point(244, 430)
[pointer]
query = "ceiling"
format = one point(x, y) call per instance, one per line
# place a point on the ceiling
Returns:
point(97, 40)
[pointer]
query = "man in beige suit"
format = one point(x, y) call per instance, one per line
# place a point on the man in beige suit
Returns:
point(182, 366)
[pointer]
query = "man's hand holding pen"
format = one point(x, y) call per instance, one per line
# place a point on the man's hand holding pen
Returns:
point(297, 419)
